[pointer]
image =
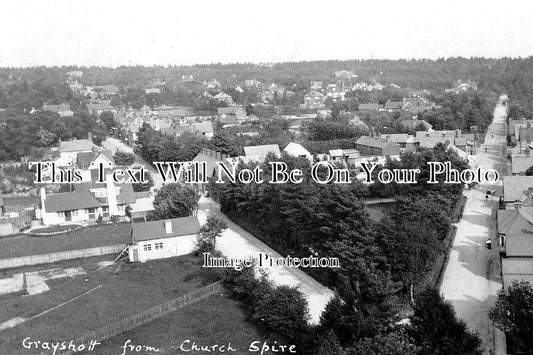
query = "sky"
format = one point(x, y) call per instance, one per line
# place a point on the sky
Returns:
point(159, 32)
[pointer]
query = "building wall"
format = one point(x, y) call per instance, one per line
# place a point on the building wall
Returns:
point(172, 247)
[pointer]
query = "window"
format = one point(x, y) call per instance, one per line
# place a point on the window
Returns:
point(147, 247)
point(159, 245)
point(105, 211)
point(91, 213)
point(61, 214)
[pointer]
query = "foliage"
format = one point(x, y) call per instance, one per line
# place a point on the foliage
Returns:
point(436, 329)
point(212, 229)
point(124, 158)
point(513, 313)
point(144, 186)
point(395, 343)
point(175, 200)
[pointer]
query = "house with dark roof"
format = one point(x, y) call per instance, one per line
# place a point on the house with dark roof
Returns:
point(231, 115)
point(375, 146)
point(314, 99)
point(413, 124)
point(62, 110)
point(89, 200)
point(163, 238)
point(98, 108)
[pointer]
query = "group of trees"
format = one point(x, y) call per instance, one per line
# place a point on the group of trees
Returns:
point(380, 261)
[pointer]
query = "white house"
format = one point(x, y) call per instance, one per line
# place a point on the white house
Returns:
point(87, 202)
point(68, 151)
point(163, 238)
point(296, 150)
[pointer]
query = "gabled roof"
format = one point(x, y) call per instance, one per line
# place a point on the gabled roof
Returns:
point(296, 150)
point(76, 145)
point(313, 93)
point(222, 95)
point(261, 150)
point(396, 137)
point(151, 230)
point(86, 158)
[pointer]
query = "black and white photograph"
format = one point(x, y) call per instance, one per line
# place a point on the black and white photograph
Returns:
point(269, 178)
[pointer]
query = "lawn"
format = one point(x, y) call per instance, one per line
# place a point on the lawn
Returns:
point(216, 320)
point(89, 237)
point(126, 289)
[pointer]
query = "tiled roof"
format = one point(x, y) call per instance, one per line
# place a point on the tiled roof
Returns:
point(156, 229)
point(372, 142)
point(86, 158)
point(393, 105)
point(229, 110)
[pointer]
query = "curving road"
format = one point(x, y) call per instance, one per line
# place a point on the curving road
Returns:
point(472, 277)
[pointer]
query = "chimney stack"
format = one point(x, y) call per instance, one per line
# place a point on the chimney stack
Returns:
point(219, 156)
point(168, 227)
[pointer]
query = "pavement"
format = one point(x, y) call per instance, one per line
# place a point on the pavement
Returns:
point(472, 277)
point(238, 243)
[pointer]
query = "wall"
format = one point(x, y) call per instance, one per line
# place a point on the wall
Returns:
point(64, 255)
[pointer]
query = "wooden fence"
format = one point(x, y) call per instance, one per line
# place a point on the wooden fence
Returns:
point(144, 317)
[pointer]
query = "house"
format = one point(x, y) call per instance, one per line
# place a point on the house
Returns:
point(515, 238)
point(152, 91)
point(344, 156)
point(231, 115)
point(90, 200)
point(200, 128)
point(520, 163)
point(375, 146)
point(314, 99)
point(69, 150)
point(163, 238)
point(98, 108)
point(316, 85)
point(404, 140)
point(259, 152)
point(186, 78)
point(517, 189)
point(62, 110)
point(252, 83)
point(368, 107)
point(391, 106)
point(296, 150)
point(92, 160)
point(224, 98)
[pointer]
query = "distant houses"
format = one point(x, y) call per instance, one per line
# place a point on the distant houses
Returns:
point(62, 110)
point(375, 146)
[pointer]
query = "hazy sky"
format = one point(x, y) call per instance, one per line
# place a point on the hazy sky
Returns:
point(94, 32)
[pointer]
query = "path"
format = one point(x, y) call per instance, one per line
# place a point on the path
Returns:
point(238, 243)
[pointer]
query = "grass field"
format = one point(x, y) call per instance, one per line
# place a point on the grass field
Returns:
point(216, 320)
point(89, 237)
point(125, 289)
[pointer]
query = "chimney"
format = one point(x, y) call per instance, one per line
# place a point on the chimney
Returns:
point(168, 227)
point(457, 133)
point(204, 151)
point(224, 156)
point(218, 156)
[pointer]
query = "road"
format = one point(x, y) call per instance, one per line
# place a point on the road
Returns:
point(472, 277)
point(238, 243)
point(115, 145)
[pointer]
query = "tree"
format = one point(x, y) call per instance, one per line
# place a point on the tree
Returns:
point(175, 200)
point(124, 158)
point(213, 229)
point(100, 133)
point(529, 171)
point(513, 313)
point(437, 330)
point(108, 119)
point(396, 343)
